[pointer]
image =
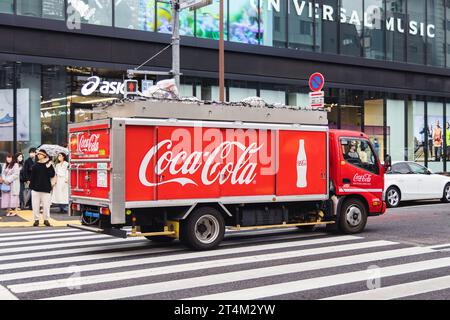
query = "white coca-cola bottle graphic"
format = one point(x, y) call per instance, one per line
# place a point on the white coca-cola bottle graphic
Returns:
point(302, 165)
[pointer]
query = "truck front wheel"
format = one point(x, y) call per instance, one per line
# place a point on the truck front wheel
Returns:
point(203, 229)
point(353, 217)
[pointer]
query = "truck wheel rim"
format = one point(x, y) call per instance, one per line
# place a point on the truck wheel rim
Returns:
point(354, 216)
point(393, 197)
point(447, 193)
point(207, 229)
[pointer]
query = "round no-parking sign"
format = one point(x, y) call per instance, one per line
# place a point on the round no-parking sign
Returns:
point(316, 82)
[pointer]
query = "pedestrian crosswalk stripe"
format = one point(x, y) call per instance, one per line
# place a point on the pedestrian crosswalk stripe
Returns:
point(206, 254)
point(37, 232)
point(6, 295)
point(398, 291)
point(143, 244)
point(126, 275)
point(261, 292)
point(60, 246)
point(222, 278)
point(25, 242)
point(32, 239)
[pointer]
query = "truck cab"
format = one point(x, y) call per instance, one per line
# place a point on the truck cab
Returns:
point(356, 176)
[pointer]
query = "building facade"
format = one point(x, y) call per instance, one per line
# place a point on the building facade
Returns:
point(386, 63)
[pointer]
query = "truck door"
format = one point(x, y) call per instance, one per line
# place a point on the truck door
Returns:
point(359, 170)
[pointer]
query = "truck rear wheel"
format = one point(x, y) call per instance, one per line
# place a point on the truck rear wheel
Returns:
point(353, 216)
point(203, 229)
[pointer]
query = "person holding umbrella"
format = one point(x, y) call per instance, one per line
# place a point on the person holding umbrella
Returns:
point(40, 184)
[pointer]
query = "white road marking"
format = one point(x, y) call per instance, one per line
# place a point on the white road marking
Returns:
point(32, 233)
point(398, 291)
point(323, 282)
point(184, 256)
point(25, 242)
point(228, 277)
point(6, 295)
point(125, 275)
point(63, 236)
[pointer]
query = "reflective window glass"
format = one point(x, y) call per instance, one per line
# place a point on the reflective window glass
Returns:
point(418, 134)
point(6, 108)
point(359, 153)
point(274, 23)
point(395, 30)
point(416, 31)
point(48, 9)
point(351, 18)
point(208, 21)
point(400, 168)
point(244, 21)
point(6, 6)
point(98, 12)
point(373, 123)
point(327, 36)
point(373, 41)
point(435, 33)
point(417, 169)
point(435, 123)
point(135, 14)
point(395, 131)
point(301, 28)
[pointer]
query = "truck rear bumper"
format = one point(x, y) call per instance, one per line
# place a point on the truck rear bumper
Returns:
point(111, 231)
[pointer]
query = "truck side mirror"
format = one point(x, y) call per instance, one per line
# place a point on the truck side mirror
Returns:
point(387, 163)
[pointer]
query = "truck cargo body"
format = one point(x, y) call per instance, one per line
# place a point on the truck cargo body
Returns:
point(187, 179)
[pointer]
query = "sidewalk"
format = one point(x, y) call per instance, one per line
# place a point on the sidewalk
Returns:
point(25, 219)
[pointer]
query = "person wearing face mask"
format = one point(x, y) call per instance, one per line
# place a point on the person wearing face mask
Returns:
point(10, 187)
point(20, 162)
point(40, 184)
point(26, 174)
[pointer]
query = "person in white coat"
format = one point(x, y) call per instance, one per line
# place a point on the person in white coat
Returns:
point(60, 193)
point(10, 186)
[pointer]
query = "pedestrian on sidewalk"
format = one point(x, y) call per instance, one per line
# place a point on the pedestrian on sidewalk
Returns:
point(60, 194)
point(21, 161)
point(10, 187)
point(26, 174)
point(40, 184)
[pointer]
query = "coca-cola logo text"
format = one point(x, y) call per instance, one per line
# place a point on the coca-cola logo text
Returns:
point(362, 178)
point(88, 144)
point(214, 166)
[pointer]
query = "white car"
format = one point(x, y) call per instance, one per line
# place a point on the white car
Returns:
point(411, 181)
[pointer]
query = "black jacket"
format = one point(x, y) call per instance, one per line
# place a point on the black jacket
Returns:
point(40, 179)
point(25, 174)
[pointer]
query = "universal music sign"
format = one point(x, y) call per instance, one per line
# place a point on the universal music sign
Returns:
point(369, 18)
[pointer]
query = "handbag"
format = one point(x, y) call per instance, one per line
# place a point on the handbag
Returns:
point(5, 188)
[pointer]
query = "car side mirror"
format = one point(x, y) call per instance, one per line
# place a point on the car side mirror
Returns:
point(387, 163)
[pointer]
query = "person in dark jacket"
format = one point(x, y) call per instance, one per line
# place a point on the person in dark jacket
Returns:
point(40, 183)
point(25, 176)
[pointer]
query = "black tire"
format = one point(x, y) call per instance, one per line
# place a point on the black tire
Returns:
point(393, 197)
point(446, 194)
point(158, 239)
point(203, 229)
point(353, 216)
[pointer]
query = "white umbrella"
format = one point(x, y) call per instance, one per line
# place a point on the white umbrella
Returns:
point(54, 149)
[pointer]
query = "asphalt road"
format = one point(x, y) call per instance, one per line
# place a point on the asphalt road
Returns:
point(404, 254)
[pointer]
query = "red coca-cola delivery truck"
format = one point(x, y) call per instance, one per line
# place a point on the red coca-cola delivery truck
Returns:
point(172, 170)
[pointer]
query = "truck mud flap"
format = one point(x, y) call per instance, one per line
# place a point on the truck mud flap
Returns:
point(110, 231)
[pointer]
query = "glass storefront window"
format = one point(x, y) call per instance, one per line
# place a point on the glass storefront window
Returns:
point(244, 20)
point(435, 124)
point(6, 109)
point(395, 131)
point(135, 14)
point(416, 42)
point(373, 124)
point(351, 27)
point(274, 23)
point(395, 20)
point(436, 44)
point(273, 96)
point(208, 21)
point(47, 9)
point(6, 6)
point(373, 41)
point(447, 136)
point(98, 12)
point(301, 30)
point(418, 134)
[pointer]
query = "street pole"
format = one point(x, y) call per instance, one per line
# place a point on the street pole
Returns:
point(176, 42)
point(221, 57)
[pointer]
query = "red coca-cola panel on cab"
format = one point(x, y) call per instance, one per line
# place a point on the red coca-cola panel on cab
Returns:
point(90, 142)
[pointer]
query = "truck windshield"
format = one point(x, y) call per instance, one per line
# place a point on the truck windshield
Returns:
point(359, 152)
